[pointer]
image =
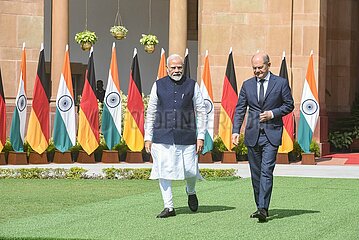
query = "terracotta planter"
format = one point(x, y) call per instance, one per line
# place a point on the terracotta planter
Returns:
point(282, 158)
point(2, 158)
point(62, 157)
point(134, 157)
point(37, 158)
point(83, 157)
point(308, 159)
point(109, 156)
point(229, 157)
point(149, 48)
point(17, 158)
point(86, 46)
point(119, 35)
point(205, 158)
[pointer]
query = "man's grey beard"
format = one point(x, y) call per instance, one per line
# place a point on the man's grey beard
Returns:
point(176, 78)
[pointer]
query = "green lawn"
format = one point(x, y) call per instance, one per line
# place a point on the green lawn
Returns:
point(301, 208)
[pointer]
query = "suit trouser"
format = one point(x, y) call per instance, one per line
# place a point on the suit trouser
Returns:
point(262, 159)
point(166, 190)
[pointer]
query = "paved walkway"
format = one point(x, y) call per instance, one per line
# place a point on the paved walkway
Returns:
point(295, 169)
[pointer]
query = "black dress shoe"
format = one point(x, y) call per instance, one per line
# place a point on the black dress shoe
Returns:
point(261, 214)
point(166, 213)
point(193, 202)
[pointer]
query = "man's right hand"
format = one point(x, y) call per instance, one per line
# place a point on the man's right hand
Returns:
point(148, 145)
point(235, 138)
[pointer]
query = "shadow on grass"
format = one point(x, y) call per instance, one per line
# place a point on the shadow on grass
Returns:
point(204, 209)
point(283, 213)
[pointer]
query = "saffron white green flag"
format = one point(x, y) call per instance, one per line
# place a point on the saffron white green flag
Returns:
point(309, 108)
point(17, 130)
point(64, 135)
point(206, 90)
point(111, 114)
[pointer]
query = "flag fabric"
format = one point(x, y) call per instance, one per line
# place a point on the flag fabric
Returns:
point(162, 66)
point(288, 120)
point(17, 130)
point(38, 131)
point(2, 116)
point(133, 132)
point(206, 90)
point(186, 68)
point(309, 108)
point(88, 132)
point(64, 134)
point(228, 104)
point(111, 112)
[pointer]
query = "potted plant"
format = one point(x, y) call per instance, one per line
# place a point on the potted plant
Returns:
point(119, 32)
point(5, 152)
point(149, 41)
point(221, 153)
point(86, 39)
point(241, 149)
point(50, 150)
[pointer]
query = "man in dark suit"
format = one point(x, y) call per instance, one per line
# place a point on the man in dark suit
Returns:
point(268, 98)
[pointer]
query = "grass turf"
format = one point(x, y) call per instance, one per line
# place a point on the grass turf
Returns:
point(301, 208)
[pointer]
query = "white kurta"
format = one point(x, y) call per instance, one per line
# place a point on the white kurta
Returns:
point(175, 162)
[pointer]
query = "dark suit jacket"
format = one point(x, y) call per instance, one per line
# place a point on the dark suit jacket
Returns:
point(278, 99)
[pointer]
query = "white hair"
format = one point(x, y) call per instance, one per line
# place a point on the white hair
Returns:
point(173, 56)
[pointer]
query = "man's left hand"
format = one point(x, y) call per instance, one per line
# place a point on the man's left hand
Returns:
point(265, 116)
point(200, 143)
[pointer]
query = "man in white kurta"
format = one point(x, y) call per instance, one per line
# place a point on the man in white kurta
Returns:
point(174, 132)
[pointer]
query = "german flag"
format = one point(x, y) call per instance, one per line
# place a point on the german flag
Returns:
point(2, 116)
point(288, 120)
point(88, 133)
point(228, 104)
point(38, 132)
point(162, 66)
point(134, 117)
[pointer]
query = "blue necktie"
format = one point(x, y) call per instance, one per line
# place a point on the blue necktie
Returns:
point(261, 93)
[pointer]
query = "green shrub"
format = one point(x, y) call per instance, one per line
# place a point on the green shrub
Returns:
point(314, 148)
point(218, 148)
point(241, 148)
point(7, 147)
point(340, 140)
point(215, 174)
point(76, 173)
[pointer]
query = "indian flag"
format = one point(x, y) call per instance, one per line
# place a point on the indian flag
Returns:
point(64, 135)
point(17, 130)
point(162, 65)
point(111, 114)
point(206, 90)
point(309, 108)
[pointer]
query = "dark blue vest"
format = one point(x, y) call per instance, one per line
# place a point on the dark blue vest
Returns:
point(175, 121)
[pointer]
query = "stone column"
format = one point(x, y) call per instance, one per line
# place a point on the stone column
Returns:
point(178, 27)
point(59, 39)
